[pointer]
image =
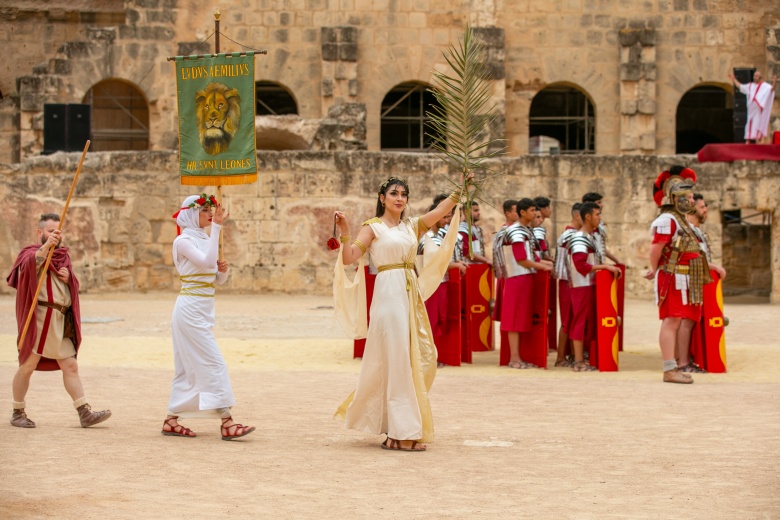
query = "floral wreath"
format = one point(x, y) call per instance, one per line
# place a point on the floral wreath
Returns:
point(204, 200)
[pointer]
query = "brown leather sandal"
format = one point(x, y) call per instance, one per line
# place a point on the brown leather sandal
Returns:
point(176, 430)
point(395, 445)
point(238, 430)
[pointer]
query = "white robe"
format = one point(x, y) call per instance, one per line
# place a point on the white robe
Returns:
point(201, 383)
point(399, 361)
point(760, 97)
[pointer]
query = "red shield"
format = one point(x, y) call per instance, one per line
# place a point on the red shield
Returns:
point(449, 344)
point(607, 323)
point(621, 298)
point(477, 328)
point(533, 344)
point(713, 346)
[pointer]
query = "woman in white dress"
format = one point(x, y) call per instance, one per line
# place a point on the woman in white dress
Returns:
point(399, 362)
point(201, 385)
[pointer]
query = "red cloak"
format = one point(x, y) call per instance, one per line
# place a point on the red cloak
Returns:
point(23, 277)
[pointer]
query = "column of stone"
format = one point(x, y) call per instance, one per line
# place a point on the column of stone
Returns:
point(637, 90)
point(492, 40)
point(339, 66)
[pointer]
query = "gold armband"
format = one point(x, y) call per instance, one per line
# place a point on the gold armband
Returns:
point(360, 245)
point(344, 238)
point(454, 197)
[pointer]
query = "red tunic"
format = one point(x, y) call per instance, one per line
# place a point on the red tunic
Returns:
point(518, 291)
point(672, 306)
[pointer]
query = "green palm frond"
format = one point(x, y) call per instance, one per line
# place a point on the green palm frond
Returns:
point(459, 125)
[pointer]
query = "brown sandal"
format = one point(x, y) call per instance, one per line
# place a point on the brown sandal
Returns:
point(395, 445)
point(239, 430)
point(583, 366)
point(522, 365)
point(176, 430)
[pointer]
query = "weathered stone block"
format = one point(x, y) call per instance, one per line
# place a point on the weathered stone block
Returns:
point(330, 51)
point(628, 37)
point(630, 72)
point(628, 106)
point(348, 52)
point(647, 37)
point(680, 5)
point(327, 87)
point(329, 35)
point(646, 106)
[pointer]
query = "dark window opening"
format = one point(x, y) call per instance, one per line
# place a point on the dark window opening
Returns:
point(566, 115)
point(120, 116)
point(273, 99)
point(404, 118)
point(705, 115)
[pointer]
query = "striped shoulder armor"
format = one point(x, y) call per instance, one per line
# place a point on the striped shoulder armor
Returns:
point(663, 224)
point(565, 237)
point(581, 243)
point(517, 233)
point(375, 220)
point(540, 233)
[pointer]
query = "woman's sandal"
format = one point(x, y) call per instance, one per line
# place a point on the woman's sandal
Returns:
point(395, 445)
point(583, 366)
point(239, 430)
point(176, 430)
point(564, 363)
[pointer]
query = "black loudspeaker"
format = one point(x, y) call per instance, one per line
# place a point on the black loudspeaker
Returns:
point(66, 127)
point(79, 126)
point(740, 104)
point(55, 120)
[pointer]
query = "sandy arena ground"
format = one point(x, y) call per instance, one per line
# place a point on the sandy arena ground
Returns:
point(509, 443)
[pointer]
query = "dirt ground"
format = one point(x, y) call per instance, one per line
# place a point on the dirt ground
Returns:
point(509, 443)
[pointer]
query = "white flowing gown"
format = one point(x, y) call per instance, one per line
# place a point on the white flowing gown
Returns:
point(399, 361)
point(201, 384)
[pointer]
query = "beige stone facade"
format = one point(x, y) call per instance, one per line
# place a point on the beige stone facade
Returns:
point(633, 59)
point(120, 227)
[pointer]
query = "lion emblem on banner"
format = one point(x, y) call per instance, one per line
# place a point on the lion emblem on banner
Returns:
point(218, 112)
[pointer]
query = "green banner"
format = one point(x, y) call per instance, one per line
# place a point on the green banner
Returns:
point(216, 99)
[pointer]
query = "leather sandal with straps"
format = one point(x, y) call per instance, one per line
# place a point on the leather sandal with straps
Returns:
point(176, 430)
point(234, 431)
point(395, 445)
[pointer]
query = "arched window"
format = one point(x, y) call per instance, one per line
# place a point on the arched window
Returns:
point(564, 114)
point(705, 115)
point(120, 116)
point(274, 100)
point(403, 119)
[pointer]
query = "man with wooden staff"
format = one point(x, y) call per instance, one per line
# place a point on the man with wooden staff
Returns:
point(53, 338)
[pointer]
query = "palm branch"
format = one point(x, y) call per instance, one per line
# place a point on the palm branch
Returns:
point(459, 125)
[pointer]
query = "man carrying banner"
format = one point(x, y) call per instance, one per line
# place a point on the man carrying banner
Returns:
point(582, 264)
point(562, 274)
point(678, 267)
point(54, 336)
point(516, 307)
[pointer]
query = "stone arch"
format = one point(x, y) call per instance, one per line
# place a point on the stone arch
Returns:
point(705, 115)
point(274, 99)
point(120, 116)
point(565, 112)
point(403, 117)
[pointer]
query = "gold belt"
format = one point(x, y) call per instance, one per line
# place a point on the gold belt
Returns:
point(680, 269)
point(404, 265)
point(196, 284)
point(387, 267)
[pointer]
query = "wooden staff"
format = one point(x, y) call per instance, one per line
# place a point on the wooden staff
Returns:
point(34, 303)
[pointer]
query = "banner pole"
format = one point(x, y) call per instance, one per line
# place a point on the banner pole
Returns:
point(219, 188)
point(33, 305)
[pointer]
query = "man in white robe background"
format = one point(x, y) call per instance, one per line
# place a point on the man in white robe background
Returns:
point(760, 97)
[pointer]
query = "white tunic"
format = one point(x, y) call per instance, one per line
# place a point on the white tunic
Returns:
point(201, 382)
